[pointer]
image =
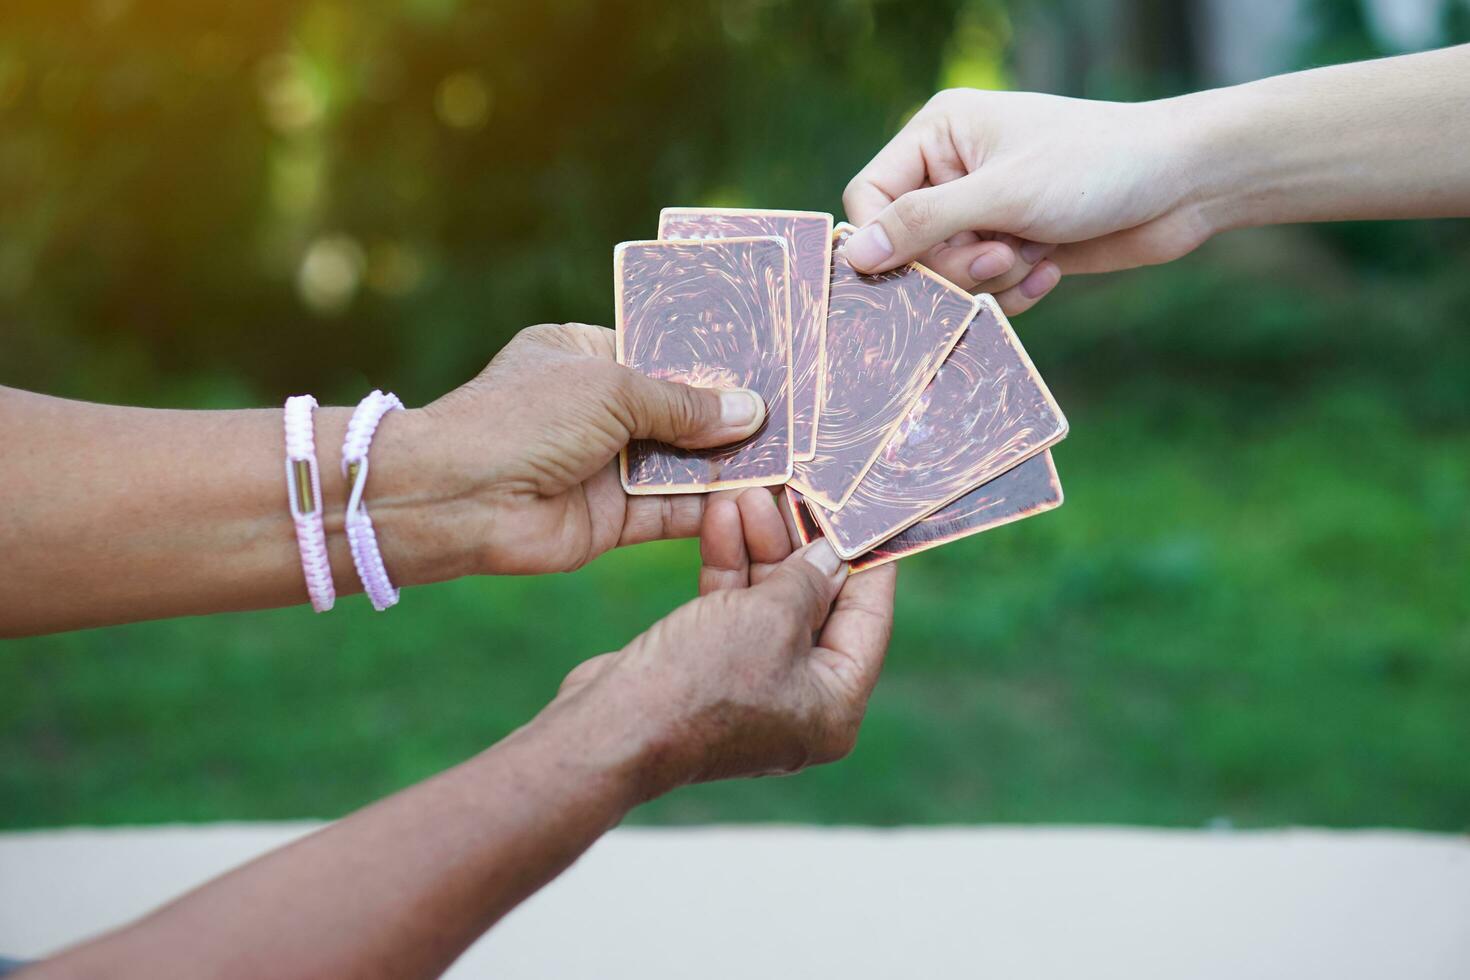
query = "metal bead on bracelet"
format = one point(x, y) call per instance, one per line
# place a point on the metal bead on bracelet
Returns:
point(304, 489)
point(360, 535)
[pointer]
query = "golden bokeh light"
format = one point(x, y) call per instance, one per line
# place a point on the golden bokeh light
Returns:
point(331, 273)
point(463, 101)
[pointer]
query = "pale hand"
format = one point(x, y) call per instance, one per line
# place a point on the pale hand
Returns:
point(984, 186)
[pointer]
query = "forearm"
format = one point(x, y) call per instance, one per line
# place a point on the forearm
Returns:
point(402, 887)
point(112, 514)
point(1372, 140)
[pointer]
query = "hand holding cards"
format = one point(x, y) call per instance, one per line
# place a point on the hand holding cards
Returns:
point(902, 411)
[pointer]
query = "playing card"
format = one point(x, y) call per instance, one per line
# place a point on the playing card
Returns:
point(886, 336)
point(1029, 489)
point(986, 410)
point(717, 314)
point(808, 236)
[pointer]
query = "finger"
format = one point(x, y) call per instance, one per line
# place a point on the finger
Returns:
point(656, 517)
point(922, 154)
point(788, 517)
point(967, 266)
point(920, 219)
point(683, 415)
point(1028, 255)
point(897, 168)
point(724, 560)
point(1029, 291)
point(591, 339)
point(855, 639)
point(807, 581)
point(765, 532)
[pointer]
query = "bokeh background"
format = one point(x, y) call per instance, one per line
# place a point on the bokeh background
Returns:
point(1251, 611)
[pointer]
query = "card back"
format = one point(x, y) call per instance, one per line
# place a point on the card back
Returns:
point(886, 337)
point(715, 314)
point(1029, 489)
point(986, 411)
point(808, 236)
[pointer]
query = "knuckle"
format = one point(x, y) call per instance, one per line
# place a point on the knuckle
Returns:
point(616, 380)
point(839, 732)
point(581, 673)
point(947, 101)
point(608, 384)
point(915, 211)
point(686, 407)
point(957, 97)
point(943, 99)
point(838, 743)
point(550, 334)
point(733, 606)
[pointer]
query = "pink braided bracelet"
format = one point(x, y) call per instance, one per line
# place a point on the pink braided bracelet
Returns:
point(304, 487)
point(360, 535)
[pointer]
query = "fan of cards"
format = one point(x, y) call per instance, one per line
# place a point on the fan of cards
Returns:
point(901, 412)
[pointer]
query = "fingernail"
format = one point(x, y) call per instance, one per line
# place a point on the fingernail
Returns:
point(1034, 252)
point(870, 247)
point(1040, 281)
point(988, 265)
point(741, 407)
point(820, 554)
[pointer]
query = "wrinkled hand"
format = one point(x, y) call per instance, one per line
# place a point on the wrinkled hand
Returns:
point(535, 440)
point(1003, 192)
point(764, 673)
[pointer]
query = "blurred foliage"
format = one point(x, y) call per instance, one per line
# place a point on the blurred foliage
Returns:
point(1251, 608)
point(431, 176)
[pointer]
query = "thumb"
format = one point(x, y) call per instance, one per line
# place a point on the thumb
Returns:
point(917, 221)
point(683, 415)
point(808, 580)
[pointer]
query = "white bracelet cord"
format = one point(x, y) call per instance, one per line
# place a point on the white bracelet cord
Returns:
point(360, 535)
point(304, 490)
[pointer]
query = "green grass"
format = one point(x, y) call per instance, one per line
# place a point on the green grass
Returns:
point(1252, 606)
point(1260, 622)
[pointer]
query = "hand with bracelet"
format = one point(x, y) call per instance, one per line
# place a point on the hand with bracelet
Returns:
point(117, 514)
point(120, 514)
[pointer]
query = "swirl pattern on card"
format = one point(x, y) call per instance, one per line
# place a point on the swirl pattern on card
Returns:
point(712, 313)
point(886, 337)
point(986, 411)
point(809, 237)
point(1029, 489)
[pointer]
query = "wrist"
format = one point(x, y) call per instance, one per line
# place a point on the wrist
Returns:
point(1185, 129)
point(1227, 157)
point(420, 517)
point(616, 744)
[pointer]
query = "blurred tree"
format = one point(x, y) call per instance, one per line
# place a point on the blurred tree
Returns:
point(225, 204)
point(218, 206)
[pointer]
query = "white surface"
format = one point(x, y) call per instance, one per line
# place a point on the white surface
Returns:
point(798, 902)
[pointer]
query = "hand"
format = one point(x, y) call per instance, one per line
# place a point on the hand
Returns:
point(733, 683)
point(535, 440)
point(1003, 192)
